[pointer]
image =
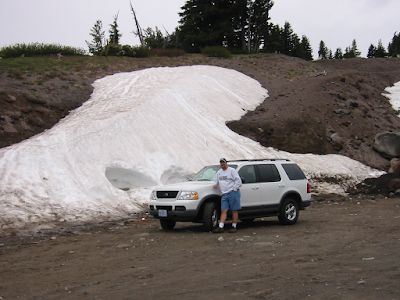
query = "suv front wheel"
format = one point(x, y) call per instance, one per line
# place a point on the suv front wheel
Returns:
point(167, 224)
point(289, 212)
point(210, 216)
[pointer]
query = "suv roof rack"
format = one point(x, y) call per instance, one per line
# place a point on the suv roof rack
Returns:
point(260, 159)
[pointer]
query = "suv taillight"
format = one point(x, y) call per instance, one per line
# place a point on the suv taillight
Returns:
point(308, 188)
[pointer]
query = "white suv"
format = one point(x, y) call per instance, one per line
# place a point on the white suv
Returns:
point(270, 187)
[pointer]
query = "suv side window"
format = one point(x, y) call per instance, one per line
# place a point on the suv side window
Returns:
point(293, 171)
point(268, 173)
point(247, 174)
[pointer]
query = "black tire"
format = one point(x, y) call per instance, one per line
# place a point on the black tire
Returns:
point(289, 212)
point(210, 216)
point(247, 220)
point(167, 224)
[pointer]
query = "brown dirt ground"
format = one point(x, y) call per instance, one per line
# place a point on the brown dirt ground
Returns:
point(340, 248)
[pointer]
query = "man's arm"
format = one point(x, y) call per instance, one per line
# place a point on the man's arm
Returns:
point(216, 180)
point(237, 180)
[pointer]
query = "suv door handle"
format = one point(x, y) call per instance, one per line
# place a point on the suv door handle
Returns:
point(281, 185)
point(255, 187)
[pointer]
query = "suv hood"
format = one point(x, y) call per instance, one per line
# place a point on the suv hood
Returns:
point(187, 186)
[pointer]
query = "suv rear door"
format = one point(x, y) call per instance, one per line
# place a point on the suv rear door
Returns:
point(272, 185)
point(250, 190)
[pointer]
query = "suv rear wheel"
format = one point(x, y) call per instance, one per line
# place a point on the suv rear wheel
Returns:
point(210, 216)
point(289, 212)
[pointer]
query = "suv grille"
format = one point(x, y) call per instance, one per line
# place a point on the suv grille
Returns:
point(166, 194)
point(169, 208)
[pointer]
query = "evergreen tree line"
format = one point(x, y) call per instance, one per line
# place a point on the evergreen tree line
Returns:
point(240, 26)
point(393, 50)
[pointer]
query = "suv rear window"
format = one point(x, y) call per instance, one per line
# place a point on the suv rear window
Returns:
point(267, 173)
point(293, 171)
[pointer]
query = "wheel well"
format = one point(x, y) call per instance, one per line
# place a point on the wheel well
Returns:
point(217, 202)
point(293, 196)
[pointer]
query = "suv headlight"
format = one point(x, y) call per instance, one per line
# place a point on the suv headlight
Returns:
point(188, 196)
point(153, 195)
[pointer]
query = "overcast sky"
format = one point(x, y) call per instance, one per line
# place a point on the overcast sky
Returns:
point(68, 23)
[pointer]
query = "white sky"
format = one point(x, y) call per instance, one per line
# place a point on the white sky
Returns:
point(69, 22)
point(139, 130)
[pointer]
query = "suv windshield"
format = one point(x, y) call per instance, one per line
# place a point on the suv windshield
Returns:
point(208, 173)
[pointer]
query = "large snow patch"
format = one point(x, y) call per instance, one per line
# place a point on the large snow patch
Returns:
point(138, 129)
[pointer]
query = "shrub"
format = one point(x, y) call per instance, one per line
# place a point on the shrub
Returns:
point(35, 49)
point(141, 52)
point(112, 50)
point(128, 51)
point(216, 52)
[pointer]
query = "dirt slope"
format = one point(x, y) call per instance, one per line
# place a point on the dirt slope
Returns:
point(308, 103)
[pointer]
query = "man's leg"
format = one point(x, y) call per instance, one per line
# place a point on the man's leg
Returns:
point(235, 216)
point(222, 219)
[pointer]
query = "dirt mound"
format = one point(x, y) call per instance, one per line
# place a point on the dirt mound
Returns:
point(316, 107)
point(386, 185)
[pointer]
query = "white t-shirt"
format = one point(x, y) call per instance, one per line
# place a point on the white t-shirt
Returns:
point(227, 180)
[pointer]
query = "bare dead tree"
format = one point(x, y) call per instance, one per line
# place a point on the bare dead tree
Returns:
point(139, 29)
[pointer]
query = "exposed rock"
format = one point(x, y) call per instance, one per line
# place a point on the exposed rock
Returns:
point(33, 99)
point(394, 185)
point(336, 138)
point(387, 144)
point(351, 103)
point(395, 166)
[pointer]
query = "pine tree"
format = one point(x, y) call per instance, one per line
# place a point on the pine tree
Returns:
point(205, 23)
point(258, 15)
point(394, 45)
point(338, 53)
point(306, 48)
point(323, 51)
point(273, 42)
point(354, 49)
point(154, 39)
point(114, 32)
point(371, 51)
point(239, 24)
point(380, 50)
point(288, 40)
point(98, 38)
point(348, 53)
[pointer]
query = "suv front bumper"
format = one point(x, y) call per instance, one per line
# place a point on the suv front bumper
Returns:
point(187, 215)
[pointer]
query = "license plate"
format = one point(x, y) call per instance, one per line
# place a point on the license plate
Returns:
point(162, 213)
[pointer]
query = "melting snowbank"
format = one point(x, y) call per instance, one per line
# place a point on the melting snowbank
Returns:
point(139, 129)
point(393, 93)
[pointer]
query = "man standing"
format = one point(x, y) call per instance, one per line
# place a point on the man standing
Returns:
point(229, 182)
